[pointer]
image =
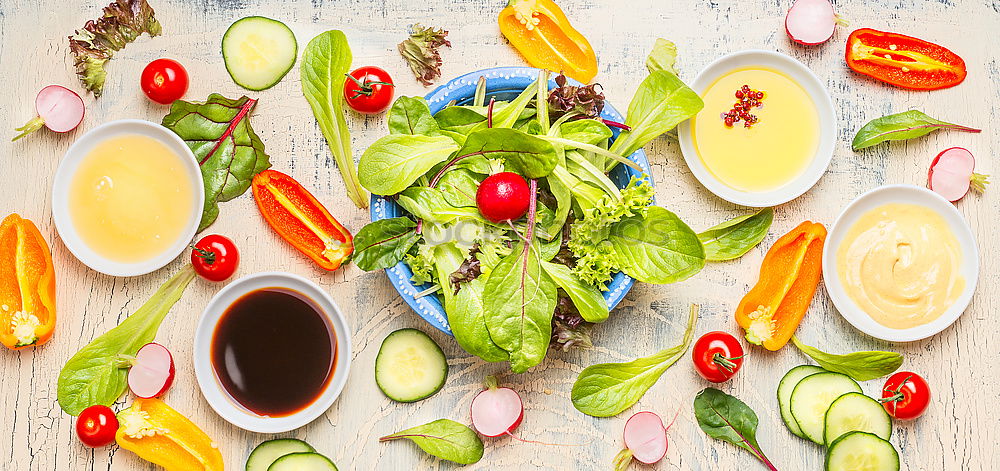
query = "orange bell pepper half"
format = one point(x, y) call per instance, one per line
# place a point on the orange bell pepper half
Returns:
point(161, 435)
point(300, 219)
point(789, 275)
point(541, 32)
point(27, 285)
point(903, 61)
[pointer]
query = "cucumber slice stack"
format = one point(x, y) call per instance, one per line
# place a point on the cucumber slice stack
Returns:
point(861, 451)
point(855, 412)
point(287, 454)
point(785, 388)
point(812, 397)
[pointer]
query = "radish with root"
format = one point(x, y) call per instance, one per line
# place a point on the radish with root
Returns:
point(951, 174)
point(645, 440)
point(58, 108)
point(811, 22)
point(151, 371)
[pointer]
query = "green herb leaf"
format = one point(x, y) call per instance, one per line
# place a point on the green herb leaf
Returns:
point(607, 389)
point(901, 126)
point(94, 375)
point(659, 105)
point(520, 299)
point(459, 187)
point(93, 45)
point(411, 115)
point(587, 299)
point(430, 205)
point(465, 309)
point(459, 119)
point(383, 243)
point(522, 153)
point(587, 131)
point(445, 439)
point(724, 417)
point(662, 57)
point(736, 237)
point(394, 162)
point(861, 366)
point(325, 63)
point(658, 248)
point(219, 134)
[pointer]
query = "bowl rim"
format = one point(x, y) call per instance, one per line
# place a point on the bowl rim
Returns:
point(213, 391)
point(67, 169)
point(909, 194)
point(808, 80)
point(429, 307)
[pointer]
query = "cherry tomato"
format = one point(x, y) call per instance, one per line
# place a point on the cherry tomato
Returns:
point(503, 196)
point(369, 90)
point(717, 356)
point(96, 426)
point(164, 81)
point(215, 257)
point(905, 395)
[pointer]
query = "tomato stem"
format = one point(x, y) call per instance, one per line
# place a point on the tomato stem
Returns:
point(725, 362)
point(365, 88)
point(207, 255)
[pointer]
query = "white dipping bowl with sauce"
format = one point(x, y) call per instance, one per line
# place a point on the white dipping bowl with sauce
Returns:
point(187, 215)
point(797, 73)
point(211, 385)
point(968, 265)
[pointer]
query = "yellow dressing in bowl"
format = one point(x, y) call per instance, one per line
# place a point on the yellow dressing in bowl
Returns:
point(131, 198)
point(774, 151)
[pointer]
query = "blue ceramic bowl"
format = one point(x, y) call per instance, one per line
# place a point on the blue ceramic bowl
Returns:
point(504, 83)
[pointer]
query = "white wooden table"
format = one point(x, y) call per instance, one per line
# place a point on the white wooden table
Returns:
point(959, 430)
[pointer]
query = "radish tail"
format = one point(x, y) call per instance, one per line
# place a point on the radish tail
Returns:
point(622, 460)
point(522, 440)
point(31, 126)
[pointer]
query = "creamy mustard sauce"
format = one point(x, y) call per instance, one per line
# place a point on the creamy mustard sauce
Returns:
point(900, 263)
point(131, 198)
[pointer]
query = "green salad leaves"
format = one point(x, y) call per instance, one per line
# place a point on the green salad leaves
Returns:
point(901, 126)
point(445, 439)
point(862, 366)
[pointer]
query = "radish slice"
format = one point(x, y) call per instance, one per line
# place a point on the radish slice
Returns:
point(496, 411)
point(951, 174)
point(59, 109)
point(646, 437)
point(811, 22)
point(152, 371)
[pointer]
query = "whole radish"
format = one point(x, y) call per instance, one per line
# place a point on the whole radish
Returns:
point(151, 372)
point(645, 440)
point(58, 108)
point(811, 22)
point(503, 196)
point(952, 175)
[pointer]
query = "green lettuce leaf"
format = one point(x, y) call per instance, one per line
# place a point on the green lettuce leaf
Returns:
point(383, 243)
point(94, 44)
point(445, 439)
point(394, 162)
point(656, 248)
point(661, 103)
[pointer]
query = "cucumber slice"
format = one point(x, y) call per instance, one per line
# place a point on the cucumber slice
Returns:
point(855, 412)
point(258, 52)
point(812, 397)
point(861, 451)
point(785, 387)
point(303, 462)
point(268, 452)
point(410, 366)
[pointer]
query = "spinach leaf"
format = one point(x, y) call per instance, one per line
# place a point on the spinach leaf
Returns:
point(325, 63)
point(733, 238)
point(658, 248)
point(430, 205)
point(520, 299)
point(383, 243)
point(662, 57)
point(587, 131)
point(465, 310)
point(458, 119)
point(861, 366)
point(606, 389)
point(445, 439)
point(901, 126)
point(527, 155)
point(724, 417)
point(394, 162)
point(459, 187)
point(228, 150)
point(95, 374)
point(587, 299)
point(411, 115)
point(660, 104)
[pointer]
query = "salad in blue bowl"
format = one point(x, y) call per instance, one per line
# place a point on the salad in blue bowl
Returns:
point(514, 211)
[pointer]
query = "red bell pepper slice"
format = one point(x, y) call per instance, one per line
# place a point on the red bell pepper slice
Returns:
point(300, 219)
point(903, 61)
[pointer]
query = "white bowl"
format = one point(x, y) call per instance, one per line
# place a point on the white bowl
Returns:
point(827, 123)
point(68, 167)
point(907, 194)
point(209, 383)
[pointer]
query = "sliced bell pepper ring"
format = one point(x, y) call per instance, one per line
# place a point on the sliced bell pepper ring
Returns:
point(161, 435)
point(789, 275)
point(903, 61)
point(27, 285)
point(541, 32)
point(300, 219)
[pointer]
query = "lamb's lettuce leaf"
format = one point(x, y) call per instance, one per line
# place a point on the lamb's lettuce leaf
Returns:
point(411, 115)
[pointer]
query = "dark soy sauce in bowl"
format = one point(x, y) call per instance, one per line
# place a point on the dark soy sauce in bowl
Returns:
point(274, 352)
